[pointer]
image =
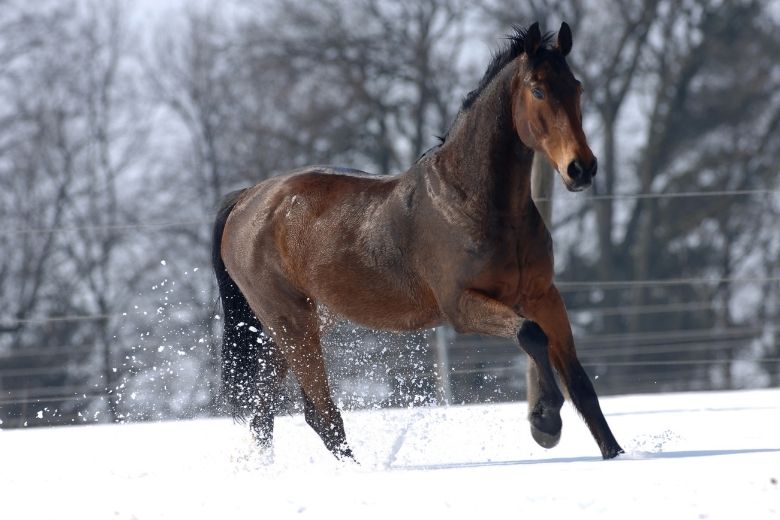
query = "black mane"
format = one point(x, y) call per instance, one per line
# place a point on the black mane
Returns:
point(511, 50)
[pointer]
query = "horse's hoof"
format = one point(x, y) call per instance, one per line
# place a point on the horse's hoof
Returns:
point(347, 456)
point(343, 453)
point(544, 439)
point(546, 425)
point(610, 452)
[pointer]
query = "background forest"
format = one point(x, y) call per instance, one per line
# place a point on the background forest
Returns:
point(122, 125)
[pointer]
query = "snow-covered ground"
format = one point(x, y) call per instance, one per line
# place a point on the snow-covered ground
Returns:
point(705, 455)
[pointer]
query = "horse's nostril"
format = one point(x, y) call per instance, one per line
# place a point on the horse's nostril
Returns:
point(580, 172)
point(574, 170)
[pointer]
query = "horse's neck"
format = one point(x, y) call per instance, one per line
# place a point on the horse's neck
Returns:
point(483, 157)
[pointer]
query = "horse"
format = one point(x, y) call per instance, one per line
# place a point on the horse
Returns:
point(454, 239)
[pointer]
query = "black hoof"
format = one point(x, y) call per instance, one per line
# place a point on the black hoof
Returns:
point(544, 439)
point(610, 452)
point(546, 426)
point(344, 454)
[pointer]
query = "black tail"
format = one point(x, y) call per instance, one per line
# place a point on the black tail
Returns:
point(240, 346)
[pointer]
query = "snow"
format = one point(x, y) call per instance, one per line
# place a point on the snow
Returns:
point(692, 455)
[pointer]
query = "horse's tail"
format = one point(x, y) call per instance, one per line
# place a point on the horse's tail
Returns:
point(240, 347)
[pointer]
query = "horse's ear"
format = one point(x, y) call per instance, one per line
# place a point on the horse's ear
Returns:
point(533, 38)
point(564, 39)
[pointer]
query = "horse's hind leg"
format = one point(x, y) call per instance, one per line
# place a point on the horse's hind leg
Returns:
point(320, 411)
point(331, 431)
point(271, 375)
point(298, 338)
point(262, 426)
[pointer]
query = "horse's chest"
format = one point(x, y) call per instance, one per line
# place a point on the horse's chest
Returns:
point(513, 270)
point(499, 274)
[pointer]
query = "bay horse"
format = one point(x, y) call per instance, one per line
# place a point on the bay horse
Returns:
point(454, 239)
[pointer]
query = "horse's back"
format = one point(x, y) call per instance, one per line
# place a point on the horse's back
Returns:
point(332, 234)
point(318, 185)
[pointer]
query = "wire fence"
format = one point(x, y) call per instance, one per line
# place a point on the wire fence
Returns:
point(563, 286)
point(140, 226)
point(568, 286)
point(655, 358)
point(475, 355)
point(207, 220)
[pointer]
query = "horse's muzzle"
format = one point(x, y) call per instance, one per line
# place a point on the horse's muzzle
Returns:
point(580, 176)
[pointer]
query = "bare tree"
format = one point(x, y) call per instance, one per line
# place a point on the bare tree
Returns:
point(368, 82)
point(673, 106)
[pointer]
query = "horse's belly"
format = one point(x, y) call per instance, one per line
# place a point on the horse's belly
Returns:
point(383, 318)
point(374, 303)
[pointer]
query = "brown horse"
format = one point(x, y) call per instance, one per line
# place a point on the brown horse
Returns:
point(455, 239)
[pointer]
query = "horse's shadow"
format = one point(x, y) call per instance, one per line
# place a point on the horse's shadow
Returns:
point(635, 456)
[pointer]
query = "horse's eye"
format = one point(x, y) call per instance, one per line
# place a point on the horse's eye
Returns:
point(538, 94)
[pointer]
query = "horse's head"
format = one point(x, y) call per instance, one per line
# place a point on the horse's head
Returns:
point(546, 108)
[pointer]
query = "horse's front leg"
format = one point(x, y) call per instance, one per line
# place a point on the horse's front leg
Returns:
point(549, 312)
point(478, 313)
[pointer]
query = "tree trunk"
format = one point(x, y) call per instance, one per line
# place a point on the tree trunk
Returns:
point(604, 207)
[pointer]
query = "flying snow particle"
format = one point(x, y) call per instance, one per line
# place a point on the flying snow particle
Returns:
point(163, 262)
point(39, 415)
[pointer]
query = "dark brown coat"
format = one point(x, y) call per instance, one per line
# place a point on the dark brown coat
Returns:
point(455, 239)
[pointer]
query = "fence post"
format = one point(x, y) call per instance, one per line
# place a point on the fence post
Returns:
point(442, 365)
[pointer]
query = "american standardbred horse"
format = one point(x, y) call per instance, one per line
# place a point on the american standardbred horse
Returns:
point(454, 239)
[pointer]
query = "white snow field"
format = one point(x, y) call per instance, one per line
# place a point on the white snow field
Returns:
point(690, 455)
